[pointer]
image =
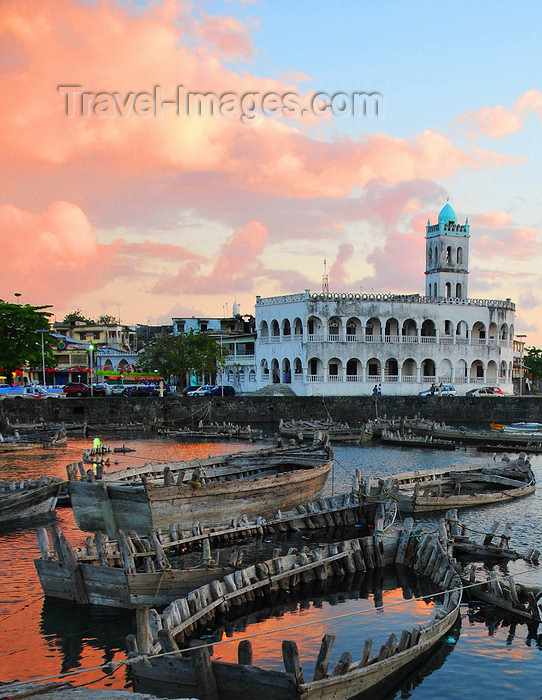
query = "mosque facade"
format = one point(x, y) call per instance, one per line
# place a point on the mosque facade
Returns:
point(322, 343)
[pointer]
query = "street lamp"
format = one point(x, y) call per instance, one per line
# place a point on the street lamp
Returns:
point(42, 331)
point(90, 349)
point(522, 344)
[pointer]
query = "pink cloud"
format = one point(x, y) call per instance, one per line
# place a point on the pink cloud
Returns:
point(337, 273)
point(237, 265)
point(500, 121)
point(62, 42)
point(227, 35)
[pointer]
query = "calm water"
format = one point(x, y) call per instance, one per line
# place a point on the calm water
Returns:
point(491, 657)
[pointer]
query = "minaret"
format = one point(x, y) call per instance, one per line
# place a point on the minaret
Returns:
point(447, 256)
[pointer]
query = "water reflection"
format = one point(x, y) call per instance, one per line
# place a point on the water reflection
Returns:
point(40, 639)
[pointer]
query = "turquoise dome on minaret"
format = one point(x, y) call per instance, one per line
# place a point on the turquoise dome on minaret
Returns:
point(447, 214)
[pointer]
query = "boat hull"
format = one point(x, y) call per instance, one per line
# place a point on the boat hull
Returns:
point(111, 507)
point(28, 504)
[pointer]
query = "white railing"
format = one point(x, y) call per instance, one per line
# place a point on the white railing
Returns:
point(460, 380)
point(334, 377)
point(446, 340)
point(391, 378)
point(461, 341)
point(274, 339)
point(477, 380)
point(334, 338)
point(314, 378)
point(428, 338)
point(353, 338)
point(286, 337)
point(409, 339)
point(316, 337)
point(428, 379)
point(376, 378)
point(445, 380)
point(373, 338)
point(478, 341)
point(409, 378)
point(354, 378)
point(392, 339)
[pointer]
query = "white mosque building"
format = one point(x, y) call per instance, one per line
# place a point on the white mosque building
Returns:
point(322, 343)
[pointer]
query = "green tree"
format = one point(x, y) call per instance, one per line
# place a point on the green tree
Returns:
point(177, 355)
point(533, 360)
point(75, 316)
point(106, 320)
point(20, 342)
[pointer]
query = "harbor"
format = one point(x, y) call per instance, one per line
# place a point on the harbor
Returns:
point(49, 637)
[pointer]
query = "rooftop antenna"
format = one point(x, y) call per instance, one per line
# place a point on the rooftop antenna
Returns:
point(325, 280)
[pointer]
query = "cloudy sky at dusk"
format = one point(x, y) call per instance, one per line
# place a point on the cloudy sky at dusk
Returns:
point(151, 215)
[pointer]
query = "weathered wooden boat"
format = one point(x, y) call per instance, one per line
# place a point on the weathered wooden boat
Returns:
point(375, 427)
point(493, 584)
point(33, 440)
point(21, 501)
point(163, 661)
point(462, 487)
point(468, 436)
point(420, 442)
point(306, 430)
point(215, 431)
point(162, 566)
point(212, 490)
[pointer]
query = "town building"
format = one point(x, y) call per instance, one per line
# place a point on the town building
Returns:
point(236, 336)
point(322, 343)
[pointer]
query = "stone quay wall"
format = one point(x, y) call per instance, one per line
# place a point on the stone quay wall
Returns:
point(180, 411)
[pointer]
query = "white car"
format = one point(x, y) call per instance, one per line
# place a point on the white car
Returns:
point(204, 390)
point(445, 390)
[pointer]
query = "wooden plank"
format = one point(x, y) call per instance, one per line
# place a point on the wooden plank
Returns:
point(322, 661)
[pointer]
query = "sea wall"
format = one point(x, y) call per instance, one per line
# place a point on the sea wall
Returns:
point(180, 411)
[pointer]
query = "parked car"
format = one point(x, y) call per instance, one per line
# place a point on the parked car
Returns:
point(144, 390)
point(76, 389)
point(100, 389)
point(203, 390)
point(220, 390)
point(447, 390)
point(25, 392)
point(485, 391)
point(189, 389)
point(119, 390)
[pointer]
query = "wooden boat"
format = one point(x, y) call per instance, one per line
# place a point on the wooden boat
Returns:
point(215, 431)
point(425, 443)
point(165, 565)
point(33, 440)
point(306, 430)
point(493, 585)
point(467, 436)
point(462, 487)
point(24, 500)
point(188, 670)
point(212, 490)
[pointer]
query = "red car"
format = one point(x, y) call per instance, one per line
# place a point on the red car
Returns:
point(76, 389)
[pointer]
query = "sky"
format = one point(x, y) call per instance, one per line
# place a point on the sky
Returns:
point(113, 202)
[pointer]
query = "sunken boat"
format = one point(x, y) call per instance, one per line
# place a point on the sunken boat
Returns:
point(306, 430)
point(164, 565)
point(167, 658)
point(428, 490)
point(21, 501)
point(427, 442)
point(211, 491)
point(483, 579)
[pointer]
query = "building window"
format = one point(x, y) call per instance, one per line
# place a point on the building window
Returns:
point(459, 256)
point(449, 254)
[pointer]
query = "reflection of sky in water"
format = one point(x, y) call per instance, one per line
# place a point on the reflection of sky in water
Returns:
point(354, 617)
point(489, 660)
